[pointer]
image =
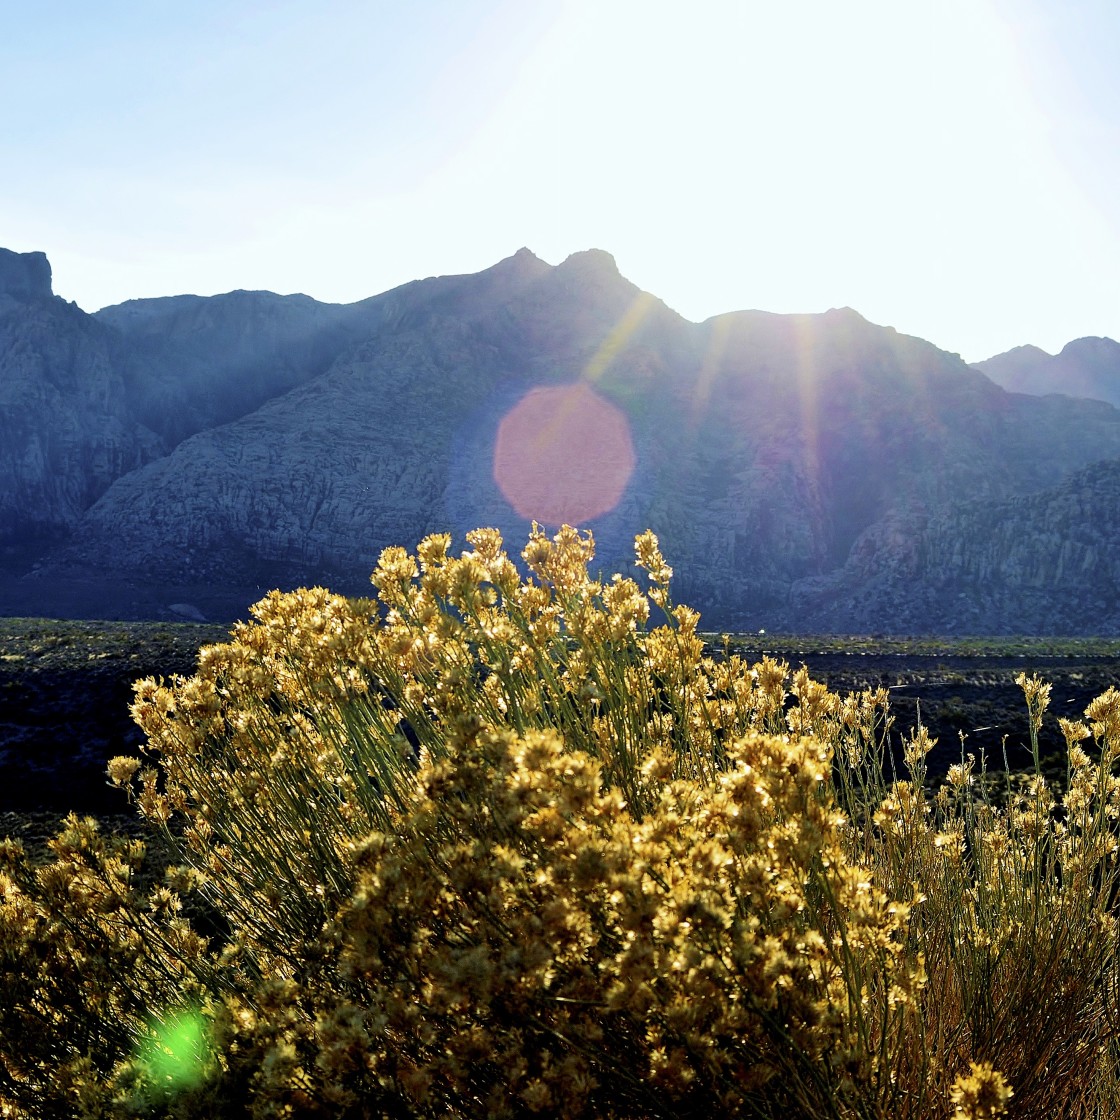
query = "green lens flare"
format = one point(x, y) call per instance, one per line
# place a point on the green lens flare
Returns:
point(175, 1051)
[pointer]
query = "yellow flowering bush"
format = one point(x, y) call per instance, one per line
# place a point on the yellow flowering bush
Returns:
point(86, 953)
point(489, 844)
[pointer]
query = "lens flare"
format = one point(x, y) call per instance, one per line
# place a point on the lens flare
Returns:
point(174, 1052)
point(563, 455)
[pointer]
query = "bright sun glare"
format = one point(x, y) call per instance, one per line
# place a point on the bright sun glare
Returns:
point(943, 168)
point(794, 157)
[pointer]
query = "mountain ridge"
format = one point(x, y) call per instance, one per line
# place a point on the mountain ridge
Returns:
point(793, 465)
point(1085, 367)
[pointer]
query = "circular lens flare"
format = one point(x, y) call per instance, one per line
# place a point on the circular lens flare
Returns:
point(563, 455)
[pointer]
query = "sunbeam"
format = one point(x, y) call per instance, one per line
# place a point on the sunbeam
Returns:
point(620, 334)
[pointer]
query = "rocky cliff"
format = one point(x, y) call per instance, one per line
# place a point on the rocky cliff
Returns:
point(24, 276)
point(803, 472)
point(67, 427)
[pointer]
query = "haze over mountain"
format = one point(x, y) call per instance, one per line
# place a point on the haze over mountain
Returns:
point(804, 472)
point(1086, 367)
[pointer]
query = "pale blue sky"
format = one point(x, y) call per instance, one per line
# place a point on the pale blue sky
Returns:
point(946, 167)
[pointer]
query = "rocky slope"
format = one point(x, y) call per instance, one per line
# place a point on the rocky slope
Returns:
point(980, 567)
point(192, 363)
point(803, 472)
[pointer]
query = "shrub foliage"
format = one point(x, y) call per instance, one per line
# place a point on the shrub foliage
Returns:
point(494, 845)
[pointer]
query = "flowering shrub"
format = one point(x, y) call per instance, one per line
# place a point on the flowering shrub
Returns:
point(488, 845)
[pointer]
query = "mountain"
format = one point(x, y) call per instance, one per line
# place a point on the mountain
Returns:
point(804, 472)
point(67, 426)
point(1086, 367)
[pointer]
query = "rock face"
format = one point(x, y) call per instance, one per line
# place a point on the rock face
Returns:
point(1086, 367)
point(67, 429)
point(25, 276)
point(979, 567)
point(811, 472)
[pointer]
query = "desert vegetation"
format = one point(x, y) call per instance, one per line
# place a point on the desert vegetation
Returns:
point(511, 842)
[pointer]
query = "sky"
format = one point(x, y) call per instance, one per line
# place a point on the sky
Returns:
point(945, 167)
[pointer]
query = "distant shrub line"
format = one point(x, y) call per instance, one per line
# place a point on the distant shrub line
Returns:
point(486, 845)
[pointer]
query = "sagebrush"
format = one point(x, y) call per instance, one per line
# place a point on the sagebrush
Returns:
point(494, 844)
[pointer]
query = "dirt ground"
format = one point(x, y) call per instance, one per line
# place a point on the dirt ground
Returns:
point(65, 691)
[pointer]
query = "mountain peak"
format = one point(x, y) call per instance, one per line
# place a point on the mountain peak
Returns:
point(821, 471)
point(1020, 353)
point(851, 319)
point(523, 263)
point(1092, 348)
point(591, 260)
point(25, 276)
